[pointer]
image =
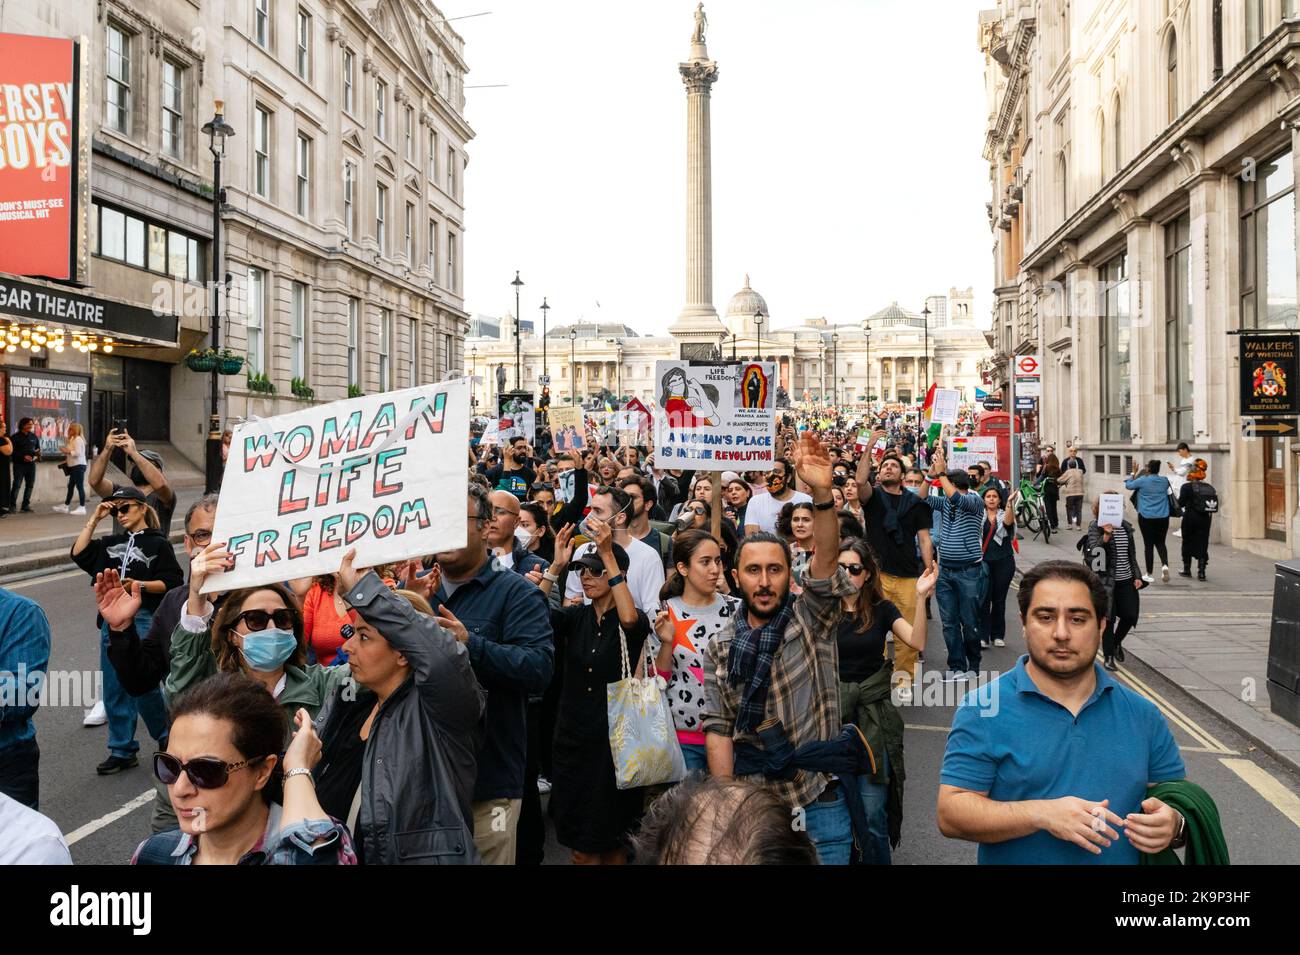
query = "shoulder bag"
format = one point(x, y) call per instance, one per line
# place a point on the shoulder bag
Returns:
point(642, 738)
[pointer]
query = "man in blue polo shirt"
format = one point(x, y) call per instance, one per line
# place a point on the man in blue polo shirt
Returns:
point(1052, 761)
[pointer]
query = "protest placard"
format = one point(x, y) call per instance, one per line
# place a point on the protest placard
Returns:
point(517, 418)
point(947, 405)
point(568, 431)
point(715, 417)
point(963, 451)
point(1110, 510)
point(382, 473)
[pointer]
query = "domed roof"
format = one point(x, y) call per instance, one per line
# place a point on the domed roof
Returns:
point(746, 302)
point(893, 315)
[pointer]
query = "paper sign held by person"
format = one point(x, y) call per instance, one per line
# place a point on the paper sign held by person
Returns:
point(715, 417)
point(1110, 510)
point(382, 473)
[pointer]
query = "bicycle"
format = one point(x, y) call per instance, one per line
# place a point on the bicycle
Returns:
point(1031, 510)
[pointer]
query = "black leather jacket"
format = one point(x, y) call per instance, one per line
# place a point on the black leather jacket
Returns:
point(417, 780)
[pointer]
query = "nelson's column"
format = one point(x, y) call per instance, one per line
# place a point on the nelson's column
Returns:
point(698, 330)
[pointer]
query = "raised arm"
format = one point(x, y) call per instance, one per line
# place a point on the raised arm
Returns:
point(813, 465)
point(95, 476)
point(152, 476)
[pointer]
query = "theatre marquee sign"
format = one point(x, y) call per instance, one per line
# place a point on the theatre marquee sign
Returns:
point(44, 304)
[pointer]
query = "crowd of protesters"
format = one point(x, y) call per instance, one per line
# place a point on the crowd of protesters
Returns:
point(417, 712)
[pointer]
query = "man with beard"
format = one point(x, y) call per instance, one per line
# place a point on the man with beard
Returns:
point(897, 523)
point(763, 508)
point(1058, 723)
point(779, 663)
point(503, 621)
point(513, 473)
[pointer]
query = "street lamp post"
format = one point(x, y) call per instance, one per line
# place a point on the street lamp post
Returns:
point(473, 385)
point(545, 371)
point(866, 335)
point(217, 130)
point(518, 284)
point(573, 366)
point(925, 313)
point(758, 323)
point(835, 367)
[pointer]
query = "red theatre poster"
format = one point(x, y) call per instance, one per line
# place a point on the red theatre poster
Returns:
point(38, 163)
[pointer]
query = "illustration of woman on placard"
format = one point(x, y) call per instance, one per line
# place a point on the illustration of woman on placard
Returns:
point(688, 404)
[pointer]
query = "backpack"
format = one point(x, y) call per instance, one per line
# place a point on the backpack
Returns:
point(1205, 499)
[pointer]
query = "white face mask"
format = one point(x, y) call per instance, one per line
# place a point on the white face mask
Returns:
point(523, 536)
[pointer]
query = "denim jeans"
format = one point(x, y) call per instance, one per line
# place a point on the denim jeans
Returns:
point(24, 472)
point(122, 708)
point(830, 829)
point(993, 608)
point(695, 757)
point(76, 482)
point(959, 593)
point(875, 801)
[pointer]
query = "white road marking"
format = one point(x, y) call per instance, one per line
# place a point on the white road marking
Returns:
point(918, 726)
point(1283, 800)
point(108, 819)
point(50, 578)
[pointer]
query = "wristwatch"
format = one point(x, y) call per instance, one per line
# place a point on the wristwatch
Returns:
point(1180, 835)
point(616, 580)
point(299, 771)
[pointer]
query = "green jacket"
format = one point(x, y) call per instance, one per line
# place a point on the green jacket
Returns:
point(1205, 842)
point(193, 661)
point(868, 706)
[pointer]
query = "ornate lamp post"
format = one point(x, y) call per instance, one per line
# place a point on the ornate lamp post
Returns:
point(835, 367)
point(518, 284)
point(866, 335)
point(573, 366)
point(925, 313)
point(473, 385)
point(758, 323)
point(217, 130)
point(545, 371)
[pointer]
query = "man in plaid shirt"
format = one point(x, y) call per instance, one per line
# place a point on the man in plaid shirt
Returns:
point(780, 663)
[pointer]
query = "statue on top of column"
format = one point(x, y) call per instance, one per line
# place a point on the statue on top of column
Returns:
point(701, 23)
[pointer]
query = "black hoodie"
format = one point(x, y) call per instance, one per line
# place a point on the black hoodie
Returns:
point(145, 555)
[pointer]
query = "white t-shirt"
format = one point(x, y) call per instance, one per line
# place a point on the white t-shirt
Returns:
point(764, 508)
point(645, 575)
point(29, 837)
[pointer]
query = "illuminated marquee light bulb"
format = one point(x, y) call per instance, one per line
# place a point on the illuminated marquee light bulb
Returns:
point(59, 348)
point(93, 346)
point(108, 349)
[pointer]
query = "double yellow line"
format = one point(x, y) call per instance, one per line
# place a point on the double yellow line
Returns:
point(1208, 743)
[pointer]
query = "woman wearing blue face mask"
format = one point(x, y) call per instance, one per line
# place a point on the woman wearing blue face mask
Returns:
point(258, 631)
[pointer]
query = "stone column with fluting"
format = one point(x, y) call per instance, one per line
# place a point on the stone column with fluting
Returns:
point(698, 328)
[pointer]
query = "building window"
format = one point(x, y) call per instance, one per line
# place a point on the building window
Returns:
point(354, 334)
point(381, 214)
point(118, 92)
point(303, 61)
point(1115, 341)
point(1117, 133)
point(409, 242)
point(414, 344)
point(433, 155)
point(297, 333)
point(1171, 76)
point(1178, 327)
point(349, 81)
point(1063, 183)
point(381, 109)
point(1268, 277)
point(172, 101)
point(385, 340)
point(451, 261)
point(409, 134)
point(451, 171)
point(448, 358)
point(262, 23)
point(128, 238)
point(433, 248)
point(349, 200)
point(1255, 18)
point(262, 152)
point(302, 196)
point(256, 320)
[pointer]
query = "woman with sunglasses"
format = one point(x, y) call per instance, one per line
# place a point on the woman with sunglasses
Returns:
point(593, 817)
point(237, 801)
point(694, 614)
point(694, 515)
point(146, 563)
point(865, 678)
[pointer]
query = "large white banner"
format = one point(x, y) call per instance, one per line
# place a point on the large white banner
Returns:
point(715, 417)
point(385, 474)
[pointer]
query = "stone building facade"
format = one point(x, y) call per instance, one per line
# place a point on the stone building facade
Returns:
point(1142, 163)
point(818, 362)
point(344, 211)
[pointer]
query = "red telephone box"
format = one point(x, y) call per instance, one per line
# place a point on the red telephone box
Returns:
point(997, 424)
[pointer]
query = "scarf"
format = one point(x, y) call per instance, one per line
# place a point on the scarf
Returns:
point(896, 513)
point(749, 663)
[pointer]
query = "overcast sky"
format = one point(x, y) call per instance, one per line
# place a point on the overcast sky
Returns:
point(846, 156)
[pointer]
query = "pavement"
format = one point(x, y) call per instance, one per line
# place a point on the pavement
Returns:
point(1210, 639)
point(104, 818)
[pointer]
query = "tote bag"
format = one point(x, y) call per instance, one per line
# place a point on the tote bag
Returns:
point(642, 738)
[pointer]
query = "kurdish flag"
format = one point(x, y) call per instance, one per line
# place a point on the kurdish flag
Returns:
point(933, 429)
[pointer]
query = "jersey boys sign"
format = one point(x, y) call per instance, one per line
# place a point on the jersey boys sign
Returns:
point(41, 168)
point(382, 473)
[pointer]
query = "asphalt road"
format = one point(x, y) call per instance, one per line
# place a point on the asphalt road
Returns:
point(106, 817)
